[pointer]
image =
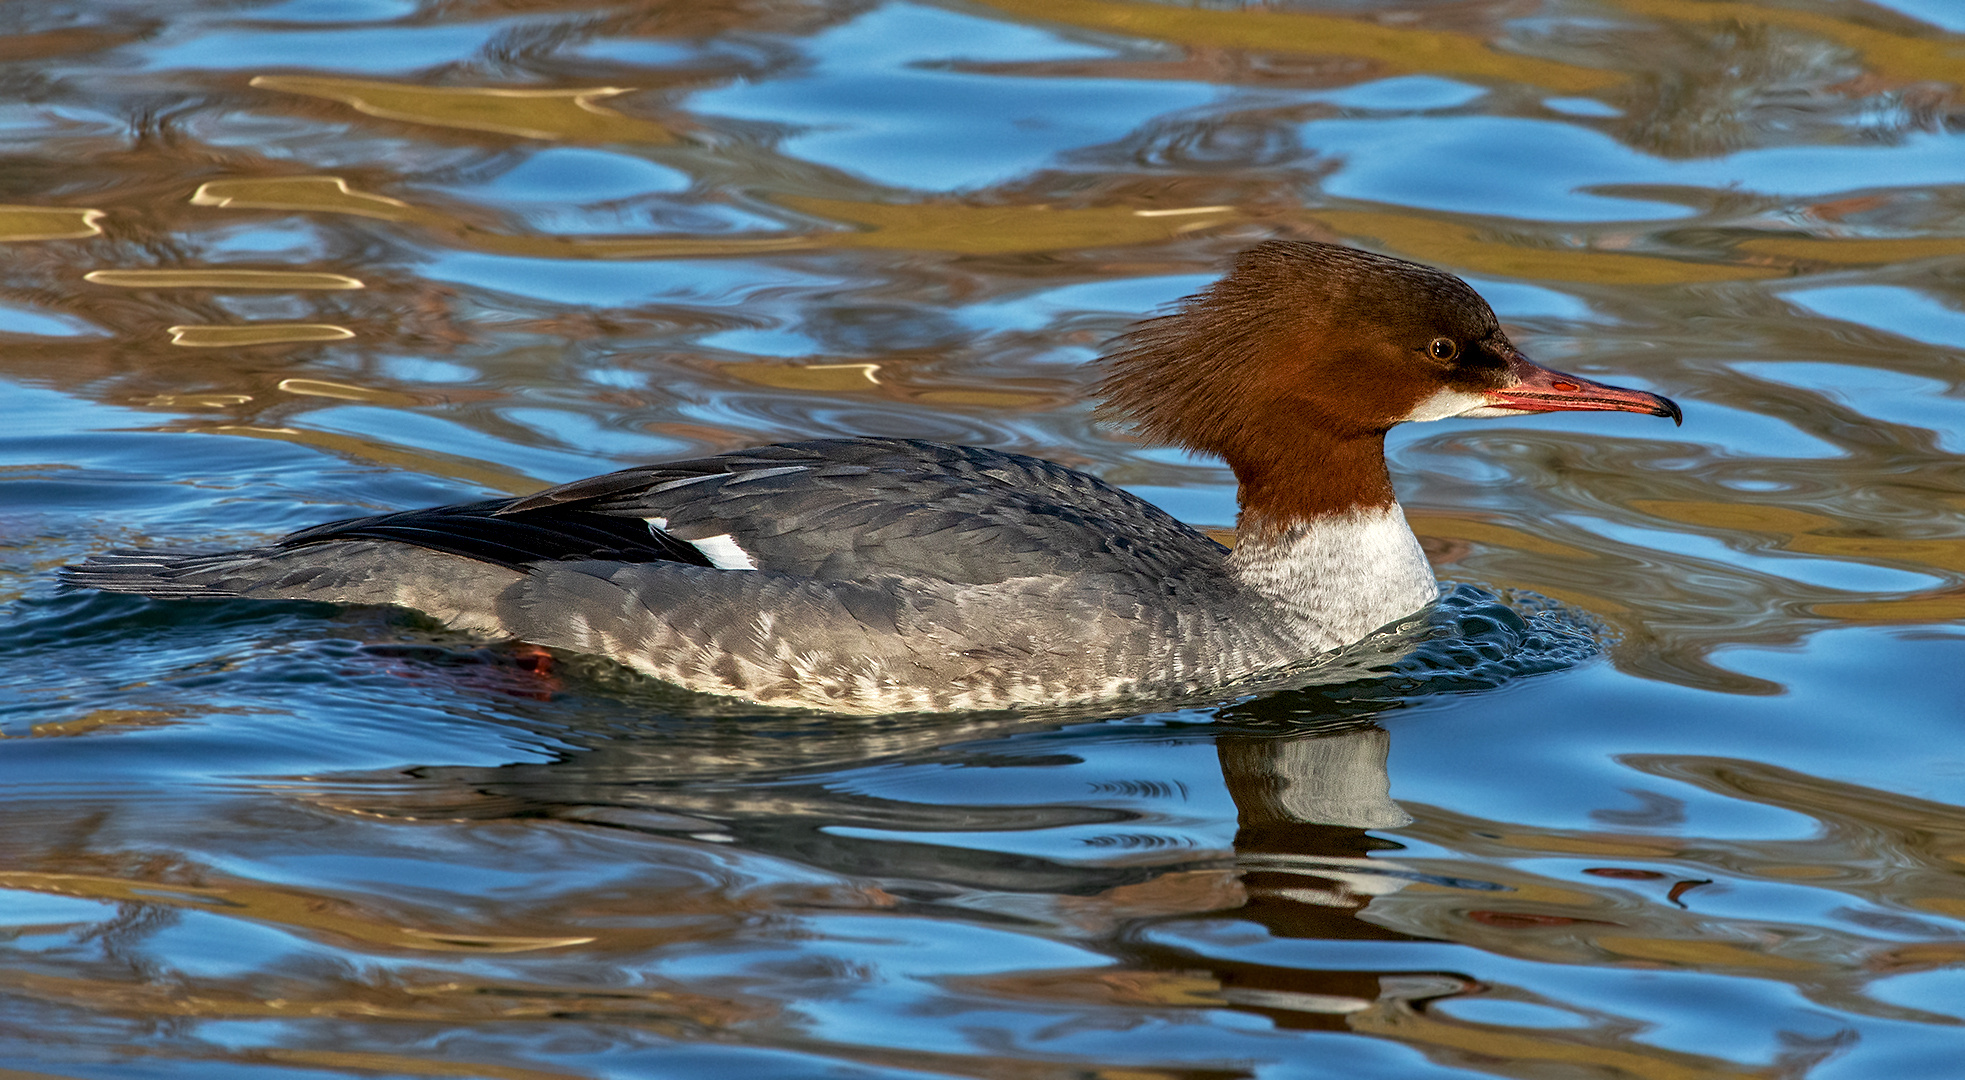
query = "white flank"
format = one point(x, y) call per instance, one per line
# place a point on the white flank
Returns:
point(723, 553)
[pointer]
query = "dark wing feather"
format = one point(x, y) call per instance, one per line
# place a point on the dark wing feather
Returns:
point(629, 482)
point(850, 509)
point(483, 532)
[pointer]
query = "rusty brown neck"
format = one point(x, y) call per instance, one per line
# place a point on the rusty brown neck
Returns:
point(1310, 475)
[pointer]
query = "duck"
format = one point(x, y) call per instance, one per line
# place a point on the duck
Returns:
point(879, 575)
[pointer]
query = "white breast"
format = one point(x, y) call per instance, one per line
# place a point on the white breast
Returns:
point(1341, 576)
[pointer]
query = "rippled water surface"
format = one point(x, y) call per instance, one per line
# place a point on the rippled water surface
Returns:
point(1674, 786)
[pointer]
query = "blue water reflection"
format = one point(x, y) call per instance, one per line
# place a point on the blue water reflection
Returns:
point(1893, 397)
point(1409, 93)
point(886, 98)
point(1045, 308)
point(1520, 300)
point(368, 50)
point(1926, 991)
point(331, 11)
point(1939, 13)
point(1825, 573)
point(1584, 107)
point(1540, 170)
point(19, 319)
point(1535, 170)
point(299, 241)
point(618, 283)
point(564, 174)
point(545, 458)
point(1891, 309)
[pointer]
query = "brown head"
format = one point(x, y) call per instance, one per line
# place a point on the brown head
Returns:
point(1294, 366)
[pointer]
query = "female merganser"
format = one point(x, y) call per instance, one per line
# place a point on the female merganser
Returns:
point(879, 575)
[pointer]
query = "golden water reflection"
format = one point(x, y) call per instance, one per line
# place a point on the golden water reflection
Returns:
point(529, 113)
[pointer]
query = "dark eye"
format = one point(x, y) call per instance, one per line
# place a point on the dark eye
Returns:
point(1443, 349)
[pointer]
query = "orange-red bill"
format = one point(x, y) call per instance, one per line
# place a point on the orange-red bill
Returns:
point(1544, 390)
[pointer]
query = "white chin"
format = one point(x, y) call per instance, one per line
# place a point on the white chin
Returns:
point(1450, 403)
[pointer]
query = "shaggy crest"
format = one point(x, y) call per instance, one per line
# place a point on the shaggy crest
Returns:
point(1200, 376)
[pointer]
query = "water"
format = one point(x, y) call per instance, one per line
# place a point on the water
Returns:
point(1675, 787)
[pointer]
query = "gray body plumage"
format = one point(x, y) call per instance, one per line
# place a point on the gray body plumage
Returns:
point(890, 575)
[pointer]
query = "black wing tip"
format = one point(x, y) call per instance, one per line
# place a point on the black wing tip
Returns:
point(489, 532)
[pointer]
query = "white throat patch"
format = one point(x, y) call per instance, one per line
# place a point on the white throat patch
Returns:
point(1444, 403)
point(1447, 403)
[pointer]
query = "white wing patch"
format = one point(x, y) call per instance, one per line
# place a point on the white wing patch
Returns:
point(723, 553)
point(656, 524)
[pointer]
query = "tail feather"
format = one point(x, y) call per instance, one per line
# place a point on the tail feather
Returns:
point(167, 575)
point(457, 590)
